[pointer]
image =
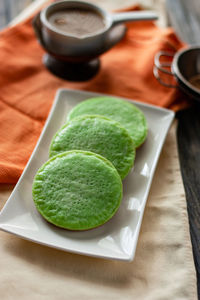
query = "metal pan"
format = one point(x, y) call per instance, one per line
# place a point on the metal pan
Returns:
point(184, 66)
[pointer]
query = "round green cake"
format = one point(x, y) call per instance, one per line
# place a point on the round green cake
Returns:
point(77, 190)
point(124, 112)
point(100, 135)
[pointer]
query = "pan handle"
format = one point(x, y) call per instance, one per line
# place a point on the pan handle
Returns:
point(122, 17)
point(163, 67)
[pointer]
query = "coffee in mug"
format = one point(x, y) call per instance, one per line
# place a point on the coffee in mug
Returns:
point(78, 22)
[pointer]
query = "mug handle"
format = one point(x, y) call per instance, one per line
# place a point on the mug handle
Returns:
point(163, 67)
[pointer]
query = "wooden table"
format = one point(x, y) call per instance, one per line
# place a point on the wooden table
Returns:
point(189, 151)
point(184, 16)
point(189, 154)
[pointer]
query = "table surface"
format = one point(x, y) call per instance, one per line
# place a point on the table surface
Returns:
point(189, 150)
point(189, 154)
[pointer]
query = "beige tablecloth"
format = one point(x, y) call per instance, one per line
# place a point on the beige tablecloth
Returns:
point(163, 267)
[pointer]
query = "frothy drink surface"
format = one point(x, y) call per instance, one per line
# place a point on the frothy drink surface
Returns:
point(76, 21)
point(195, 81)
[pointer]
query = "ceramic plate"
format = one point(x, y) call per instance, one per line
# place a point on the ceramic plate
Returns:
point(117, 239)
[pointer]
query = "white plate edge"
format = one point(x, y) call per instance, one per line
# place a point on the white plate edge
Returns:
point(140, 103)
point(34, 150)
point(171, 115)
point(158, 153)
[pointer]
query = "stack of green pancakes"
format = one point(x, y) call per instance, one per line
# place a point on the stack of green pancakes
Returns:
point(80, 186)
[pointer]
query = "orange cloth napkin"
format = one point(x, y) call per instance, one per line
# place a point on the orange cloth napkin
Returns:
point(28, 89)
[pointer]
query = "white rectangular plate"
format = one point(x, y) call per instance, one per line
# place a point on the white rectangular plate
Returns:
point(117, 239)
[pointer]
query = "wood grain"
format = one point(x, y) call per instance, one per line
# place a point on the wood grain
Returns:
point(9, 9)
point(188, 135)
point(188, 139)
point(184, 16)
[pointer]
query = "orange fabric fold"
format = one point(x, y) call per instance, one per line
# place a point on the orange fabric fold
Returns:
point(28, 89)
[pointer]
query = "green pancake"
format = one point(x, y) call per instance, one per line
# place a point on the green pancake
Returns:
point(100, 135)
point(130, 117)
point(77, 190)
